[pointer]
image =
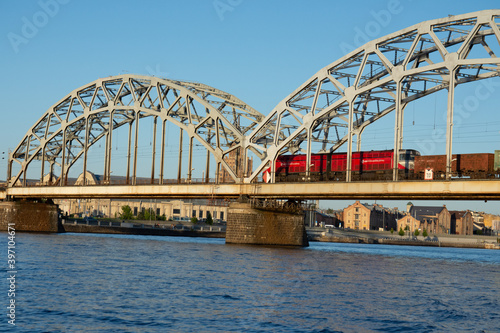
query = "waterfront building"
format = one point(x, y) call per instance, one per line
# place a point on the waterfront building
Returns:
point(170, 209)
point(483, 223)
point(461, 222)
point(360, 216)
point(496, 226)
point(488, 219)
point(322, 219)
point(410, 223)
point(436, 220)
point(477, 218)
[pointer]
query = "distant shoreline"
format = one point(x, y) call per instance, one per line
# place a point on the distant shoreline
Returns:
point(374, 237)
point(216, 232)
point(332, 235)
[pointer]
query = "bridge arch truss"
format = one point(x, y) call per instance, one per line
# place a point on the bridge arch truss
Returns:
point(382, 76)
point(90, 114)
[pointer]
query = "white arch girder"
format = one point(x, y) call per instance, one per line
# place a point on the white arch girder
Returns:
point(393, 70)
point(218, 120)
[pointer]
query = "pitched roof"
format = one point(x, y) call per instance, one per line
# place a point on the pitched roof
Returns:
point(457, 214)
point(421, 212)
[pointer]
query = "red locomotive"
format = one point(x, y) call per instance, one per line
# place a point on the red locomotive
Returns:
point(377, 165)
point(367, 165)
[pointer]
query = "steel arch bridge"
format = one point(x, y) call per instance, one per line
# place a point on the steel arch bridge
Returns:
point(382, 76)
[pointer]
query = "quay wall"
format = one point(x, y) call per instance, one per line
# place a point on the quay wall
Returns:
point(468, 242)
point(78, 228)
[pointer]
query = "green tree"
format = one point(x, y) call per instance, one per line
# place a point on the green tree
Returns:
point(150, 214)
point(417, 232)
point(141, 215)
point(194, 220)
point(126, 213)
point(392, 231)
point(424, 233)
point(407, 228)
point(146, 214)
point(210, 221)
point(401, 232)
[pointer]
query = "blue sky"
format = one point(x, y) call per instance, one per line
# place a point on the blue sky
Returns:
point(260, 51)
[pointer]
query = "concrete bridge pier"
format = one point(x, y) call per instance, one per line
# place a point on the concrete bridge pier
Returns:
point(29, 216)
point(247, 225)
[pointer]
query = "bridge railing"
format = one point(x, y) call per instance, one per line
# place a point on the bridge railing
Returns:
point(314, 178)
point(124, 181)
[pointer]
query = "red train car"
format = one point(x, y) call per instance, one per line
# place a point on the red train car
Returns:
point(477, 166)
point(370, 165)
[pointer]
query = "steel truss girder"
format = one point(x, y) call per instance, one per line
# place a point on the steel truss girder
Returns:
point(216, 119)
point(393, 70)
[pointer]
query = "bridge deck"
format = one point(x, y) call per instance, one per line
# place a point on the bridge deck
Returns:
point(450, 190)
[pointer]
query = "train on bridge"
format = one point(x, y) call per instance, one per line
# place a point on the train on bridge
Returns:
point(378, 165)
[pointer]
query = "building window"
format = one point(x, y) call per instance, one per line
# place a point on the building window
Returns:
point(222, 215)
point(356, 216)
point(357, 209)
point(158, 212)
point(194, 213)
point(135, 211)
point(201, 214)
point(177, 211)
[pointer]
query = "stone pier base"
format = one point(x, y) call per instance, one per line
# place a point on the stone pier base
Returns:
point(246, 225)
point(29, 216)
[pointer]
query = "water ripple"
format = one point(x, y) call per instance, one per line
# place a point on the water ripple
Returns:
point(125, 283)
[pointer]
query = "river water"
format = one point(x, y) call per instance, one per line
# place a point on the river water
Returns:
point(123, 283)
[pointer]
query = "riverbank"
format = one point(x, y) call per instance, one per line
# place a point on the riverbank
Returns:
point(140, 228)
point(377, 237)
point(333, 235)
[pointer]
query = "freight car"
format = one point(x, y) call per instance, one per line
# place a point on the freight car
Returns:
point(367, 165)
point(474, 166)
point(377, 165)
